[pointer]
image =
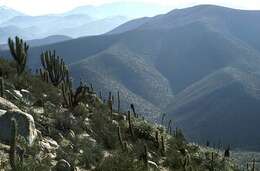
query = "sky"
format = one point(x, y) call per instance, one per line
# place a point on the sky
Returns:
point(40, 7)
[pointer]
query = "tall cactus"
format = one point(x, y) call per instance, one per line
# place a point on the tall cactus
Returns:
point(118, 101)
point(120, 137)
point(13, 143)
point(145, 156)
point(157, 141)
point(169, 128)
point(110, 103)
point(163, 145)
point(1, 87)
point(55, 67)
point(163, 117)
point(133, 110)
point(19, 49)
point(130, 124)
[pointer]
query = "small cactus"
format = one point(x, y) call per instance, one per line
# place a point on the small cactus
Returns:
point(2, 87)
point(72, 98)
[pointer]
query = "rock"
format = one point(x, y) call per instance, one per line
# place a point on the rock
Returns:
point(118, 116)
point(62, 165)
point(25, 123)
point(18, 93)
point(114, 122)
point(7, 105)
point(49, 144)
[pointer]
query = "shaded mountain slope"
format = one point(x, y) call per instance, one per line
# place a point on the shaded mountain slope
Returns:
point(223, 107)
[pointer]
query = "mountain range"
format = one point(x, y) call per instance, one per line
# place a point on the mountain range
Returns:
point(81, 21)
point(200, 65)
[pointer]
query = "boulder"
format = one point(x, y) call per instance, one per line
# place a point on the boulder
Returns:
point(25, 124)
point(7, 105)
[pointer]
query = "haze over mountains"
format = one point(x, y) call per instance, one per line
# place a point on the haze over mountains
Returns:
point(81, 21)
point(200, 65)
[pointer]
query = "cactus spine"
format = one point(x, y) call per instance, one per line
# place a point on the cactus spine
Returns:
point(13, 143)
point(54, 65)
point(2, 87)
point(19, 50)
point(130, 124)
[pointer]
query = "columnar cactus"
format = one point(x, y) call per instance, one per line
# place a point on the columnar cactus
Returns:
point(44, 75)
point(185, 163)
point(1, 87)
point(130, 124)
point(19, 50)
point(110, 103)
point(212, 161)
point(55, 67)
point(169, 127)
point(163, 145)
point(72, 98)
point(118, 101)
point(227, 152)
point(120, 137)
point(100, 95)
point(133, 110)
point(253, 167)
point(13, 143)
point(145, 156)
point(163, 116)
point(157, 141)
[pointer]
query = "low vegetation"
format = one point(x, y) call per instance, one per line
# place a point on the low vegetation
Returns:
point(79, 131)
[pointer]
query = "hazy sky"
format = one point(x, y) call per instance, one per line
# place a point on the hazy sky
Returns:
point(38, 7)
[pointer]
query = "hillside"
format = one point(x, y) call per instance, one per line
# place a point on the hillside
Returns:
point(42, 130)
point(213, 103)
point(153, 61)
